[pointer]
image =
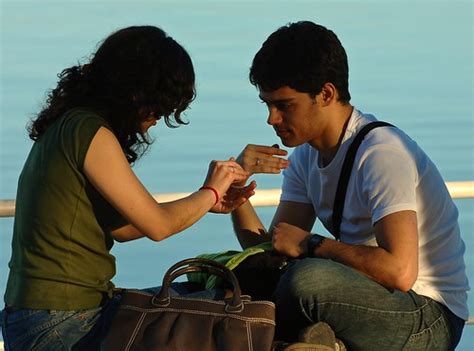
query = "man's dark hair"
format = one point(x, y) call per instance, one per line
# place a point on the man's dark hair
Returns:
point(303, 56)
point(136, 71)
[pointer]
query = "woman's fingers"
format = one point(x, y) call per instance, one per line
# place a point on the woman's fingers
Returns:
point(245, 191)
point(233, 202)
point(234, 168)
point(222, 174)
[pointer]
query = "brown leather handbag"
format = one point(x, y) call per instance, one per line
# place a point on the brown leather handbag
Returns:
point(158, 322)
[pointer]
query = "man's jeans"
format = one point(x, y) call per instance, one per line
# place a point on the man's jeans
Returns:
point(28, 329)
point(363, 314)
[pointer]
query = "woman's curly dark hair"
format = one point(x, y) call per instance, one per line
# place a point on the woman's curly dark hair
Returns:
point(136, 71)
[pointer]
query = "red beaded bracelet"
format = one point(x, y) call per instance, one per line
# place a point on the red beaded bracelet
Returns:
point(216, 194)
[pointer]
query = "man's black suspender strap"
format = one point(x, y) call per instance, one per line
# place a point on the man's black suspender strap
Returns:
point(346, 174)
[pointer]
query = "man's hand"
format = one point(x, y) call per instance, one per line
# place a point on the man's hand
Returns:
point(290, 240)
point(262, 159)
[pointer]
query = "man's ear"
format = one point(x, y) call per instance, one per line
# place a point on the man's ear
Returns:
point(327, 95)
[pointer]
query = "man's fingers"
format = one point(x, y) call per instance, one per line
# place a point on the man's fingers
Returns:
point(269, 150)
point(272, 162)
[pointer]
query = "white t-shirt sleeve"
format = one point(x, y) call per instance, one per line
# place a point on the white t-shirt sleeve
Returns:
point(294, 186)
point(388, 180)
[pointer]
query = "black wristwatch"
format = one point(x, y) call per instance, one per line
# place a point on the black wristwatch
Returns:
point(314, 241)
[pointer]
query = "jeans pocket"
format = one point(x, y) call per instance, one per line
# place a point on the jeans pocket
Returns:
point(434, 337)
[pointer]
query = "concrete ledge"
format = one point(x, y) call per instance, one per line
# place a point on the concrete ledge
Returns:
point(264, 197)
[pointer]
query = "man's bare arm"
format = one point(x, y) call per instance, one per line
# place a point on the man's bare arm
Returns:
point(393, 263)
point(250, 231)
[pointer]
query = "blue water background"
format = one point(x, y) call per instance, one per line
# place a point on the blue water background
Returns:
point(411, 63)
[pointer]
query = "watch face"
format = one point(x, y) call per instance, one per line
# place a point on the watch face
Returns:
point(314, 241)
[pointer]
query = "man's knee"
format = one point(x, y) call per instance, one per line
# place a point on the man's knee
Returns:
point(305, 284)
point(313, 277)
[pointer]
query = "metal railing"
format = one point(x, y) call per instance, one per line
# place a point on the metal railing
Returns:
point(270, 197)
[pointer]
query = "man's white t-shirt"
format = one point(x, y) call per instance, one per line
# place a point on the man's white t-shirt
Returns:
point(391, 173)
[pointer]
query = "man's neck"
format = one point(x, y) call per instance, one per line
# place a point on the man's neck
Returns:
point(335, 131)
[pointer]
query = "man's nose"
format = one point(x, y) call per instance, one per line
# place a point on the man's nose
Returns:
point(274, 116)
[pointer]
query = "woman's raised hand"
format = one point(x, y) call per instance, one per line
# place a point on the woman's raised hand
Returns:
point(220, 176)
point(228, 178)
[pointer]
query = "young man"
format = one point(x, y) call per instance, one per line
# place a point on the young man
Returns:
point(396, 279)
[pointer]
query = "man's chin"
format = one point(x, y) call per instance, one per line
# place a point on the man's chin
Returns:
point(289, 142)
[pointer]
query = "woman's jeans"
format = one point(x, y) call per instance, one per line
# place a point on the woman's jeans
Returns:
point(28, 329)
point(363, 314)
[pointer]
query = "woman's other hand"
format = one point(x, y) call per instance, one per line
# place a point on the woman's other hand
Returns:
point(235, 196)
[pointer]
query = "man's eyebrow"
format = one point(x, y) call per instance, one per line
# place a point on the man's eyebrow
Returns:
point(276, 101)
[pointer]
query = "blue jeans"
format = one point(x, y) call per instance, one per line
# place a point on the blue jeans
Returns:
point(363, 314)
point(51, 330)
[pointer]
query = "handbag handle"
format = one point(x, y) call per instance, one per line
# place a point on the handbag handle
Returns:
point(196, 265)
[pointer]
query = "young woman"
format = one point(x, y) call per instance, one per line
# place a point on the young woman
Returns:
point(77, 191)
